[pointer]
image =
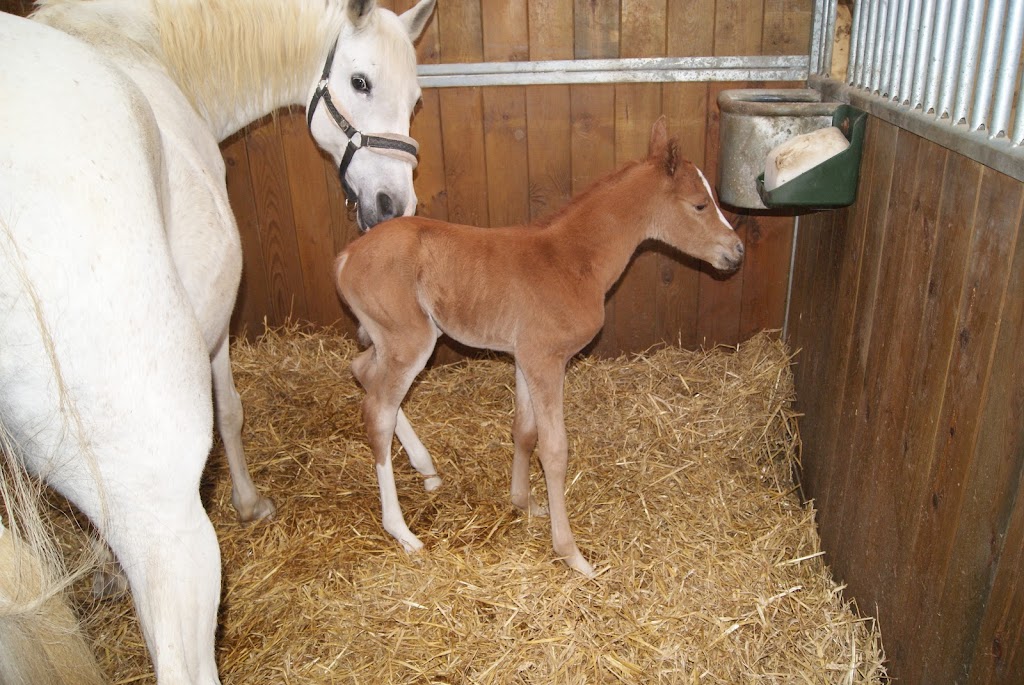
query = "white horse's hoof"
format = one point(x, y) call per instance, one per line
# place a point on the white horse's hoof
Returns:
point(259, 509)
point(431, 483)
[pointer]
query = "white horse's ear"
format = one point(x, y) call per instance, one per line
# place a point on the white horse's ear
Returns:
point(359, 11)
point(416, 18)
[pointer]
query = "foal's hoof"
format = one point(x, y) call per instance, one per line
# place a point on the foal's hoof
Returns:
point(431, 483)
point(261, 508)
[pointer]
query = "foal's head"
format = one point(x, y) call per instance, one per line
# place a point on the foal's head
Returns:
point(686, 215)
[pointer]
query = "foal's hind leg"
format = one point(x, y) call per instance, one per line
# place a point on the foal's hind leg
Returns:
point(386, 372)
point(418, 454)
point(524, 436)
point(249, 503)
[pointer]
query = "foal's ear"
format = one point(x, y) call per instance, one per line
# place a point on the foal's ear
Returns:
point(358, 11)
point(662, 148)
point(659, 138)
point(416, 18)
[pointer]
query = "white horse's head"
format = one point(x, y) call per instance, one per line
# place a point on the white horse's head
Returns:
point(359, 112)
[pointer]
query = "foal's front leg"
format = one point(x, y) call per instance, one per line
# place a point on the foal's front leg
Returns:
point(546, 378)
point(524, 437)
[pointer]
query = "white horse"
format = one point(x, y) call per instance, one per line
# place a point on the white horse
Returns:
point(120, 259)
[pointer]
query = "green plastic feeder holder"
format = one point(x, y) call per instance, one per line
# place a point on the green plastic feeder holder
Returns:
point(833, 183)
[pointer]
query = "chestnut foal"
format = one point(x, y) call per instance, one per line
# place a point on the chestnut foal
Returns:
point(536, 292)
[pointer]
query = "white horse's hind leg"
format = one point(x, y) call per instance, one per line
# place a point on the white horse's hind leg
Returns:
point(249, 503)
point(172, 561)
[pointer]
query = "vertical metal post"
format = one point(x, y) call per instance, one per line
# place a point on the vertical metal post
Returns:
point(910, 52)
point(987, 66)
point(968, 60)
point(878, 29)
point(924, 44)
point(1006, 79)
point(870, 51)
point(888, 48)
point(829, 37)
point(899, 50)
point(938, 54)
point(954, 50)
point(857, 37)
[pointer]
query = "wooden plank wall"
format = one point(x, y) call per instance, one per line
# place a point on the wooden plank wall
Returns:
point(909, 311)
point(502, 155)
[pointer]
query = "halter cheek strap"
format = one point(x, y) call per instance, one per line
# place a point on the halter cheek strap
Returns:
point(391, 144)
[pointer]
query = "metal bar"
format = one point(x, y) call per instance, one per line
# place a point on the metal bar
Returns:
point(879, 42)
point(888, 48)
point(899, 50)
point(829, 37)
point(1006, 79)
point(870, 51)
point(1017, 137)
point(910, 52)
point(951, 66)
point(924, 44)
point(817, 61)
point(938, 55)
point(968, 61)
point(857, 37)
point(987, 66)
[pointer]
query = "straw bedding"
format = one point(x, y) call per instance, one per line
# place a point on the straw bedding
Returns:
point(679, 491)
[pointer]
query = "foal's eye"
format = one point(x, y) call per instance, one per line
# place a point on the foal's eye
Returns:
point(360, 84)
point(700, 208)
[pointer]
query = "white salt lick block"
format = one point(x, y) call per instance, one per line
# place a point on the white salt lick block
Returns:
point(801, 153)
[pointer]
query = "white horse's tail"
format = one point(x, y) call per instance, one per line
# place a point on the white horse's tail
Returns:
point(40, 639)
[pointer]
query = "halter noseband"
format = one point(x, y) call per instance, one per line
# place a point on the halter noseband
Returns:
point(391, 144)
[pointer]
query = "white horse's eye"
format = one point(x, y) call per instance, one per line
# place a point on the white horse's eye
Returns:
point(360, 84)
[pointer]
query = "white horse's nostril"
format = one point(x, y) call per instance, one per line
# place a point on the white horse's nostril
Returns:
point(385, 207)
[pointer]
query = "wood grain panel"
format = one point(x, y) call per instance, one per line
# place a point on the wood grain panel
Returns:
point(688, 34)
point(637, 106)
point(287, 295)
point(311, 211)
point(506, 39)
point(548, 111)
point(996, 220)
point(253, 292)
point(993, 504)
point(595, 35)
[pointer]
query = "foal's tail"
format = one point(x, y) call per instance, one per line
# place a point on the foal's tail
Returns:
point(40, 639)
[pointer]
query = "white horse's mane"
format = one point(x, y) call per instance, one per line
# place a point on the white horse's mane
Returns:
point(225, 55)
point(255, 53)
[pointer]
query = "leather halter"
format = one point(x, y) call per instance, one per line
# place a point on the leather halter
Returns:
point(391, 144)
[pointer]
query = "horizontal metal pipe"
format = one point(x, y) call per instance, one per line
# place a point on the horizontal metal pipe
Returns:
point(631, 70)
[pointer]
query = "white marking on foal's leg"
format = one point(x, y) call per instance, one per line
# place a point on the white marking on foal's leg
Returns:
point(712, 196)
point(391, 510)
point(419, 457)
